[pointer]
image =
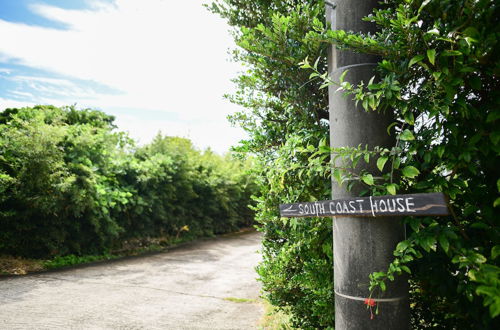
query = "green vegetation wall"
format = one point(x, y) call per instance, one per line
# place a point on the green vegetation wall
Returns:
point(71, 184)
point(286, 118)
point(438, 74)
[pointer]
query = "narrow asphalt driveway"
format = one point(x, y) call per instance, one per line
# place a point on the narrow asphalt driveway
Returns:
point(190, 287)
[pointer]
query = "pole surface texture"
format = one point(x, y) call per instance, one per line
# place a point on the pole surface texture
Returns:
point(361, 245)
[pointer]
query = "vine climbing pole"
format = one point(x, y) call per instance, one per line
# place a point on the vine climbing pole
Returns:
point(361, 245)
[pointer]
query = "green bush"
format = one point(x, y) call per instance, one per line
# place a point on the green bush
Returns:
point(443, 89)
point(71, 185)
point(438, 74)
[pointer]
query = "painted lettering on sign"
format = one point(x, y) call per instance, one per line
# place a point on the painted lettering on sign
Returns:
point(393, 205)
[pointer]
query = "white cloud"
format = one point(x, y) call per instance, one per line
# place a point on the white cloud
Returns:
point(63, 90)
point(23, 94)
point(203, 135)
point(168, 56)
point(44, 80)
point(7, 103)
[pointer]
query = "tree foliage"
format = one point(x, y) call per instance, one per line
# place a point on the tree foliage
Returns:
point(438, 75)
point(71, 184)
point(286, 117)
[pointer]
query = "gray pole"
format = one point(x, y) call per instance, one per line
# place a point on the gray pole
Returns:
point(361, 245)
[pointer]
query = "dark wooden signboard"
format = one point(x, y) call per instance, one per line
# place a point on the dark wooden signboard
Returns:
point(433, 204)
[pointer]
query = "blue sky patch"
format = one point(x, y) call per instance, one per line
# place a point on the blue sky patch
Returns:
point(126, 58)
point(21, 11)
point(26, 84)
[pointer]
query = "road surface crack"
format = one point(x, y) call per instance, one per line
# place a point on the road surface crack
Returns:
point(132, 286)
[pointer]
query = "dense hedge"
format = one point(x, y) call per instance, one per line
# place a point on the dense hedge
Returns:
point(71, 184)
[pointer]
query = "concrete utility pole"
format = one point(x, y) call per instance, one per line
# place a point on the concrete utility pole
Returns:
point(361, 245)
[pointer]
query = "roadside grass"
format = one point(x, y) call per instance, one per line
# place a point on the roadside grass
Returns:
point(13, 265)
point(240, 300)
point(19, 266)
point(274, 319)
point(71, 260)
point(10, 265)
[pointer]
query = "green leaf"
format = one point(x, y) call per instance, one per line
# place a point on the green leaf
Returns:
point(410, 172)
point(403, 245)
point(391, 188)
point(372, 102)
point(416, 59)
point(368, 179)
point(433, 32)
point(495, 137)
point(495, 308)
point(406, 135)
point(367, 157)
point(337, 175)
point(451, 53)
point(493, 116)
point(431, 55)
point(440, 151)
point(390, 127)
point(381, 162)
point(305, 64)
point(342, 76)
point(445, 244)
point(396, 163)
point(495, 252)
point(406, 269)
point(423, 5)
point(365, 103)
point(415, 224)
point(374, 86)
point(382, 286)
point(371, 81)
point(496, 202)
point(427, 243)
point(313, 75)
point(471, 32)
point(436, 75)
point(315, 65)
point(479, 258)
point(427, 157)
point(480, 225)
point(409, 118)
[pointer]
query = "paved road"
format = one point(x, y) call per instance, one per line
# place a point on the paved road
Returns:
point(185, 288)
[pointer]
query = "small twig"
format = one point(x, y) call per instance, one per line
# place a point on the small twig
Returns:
point(462, 231)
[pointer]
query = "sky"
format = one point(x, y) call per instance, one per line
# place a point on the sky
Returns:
point(156, 65)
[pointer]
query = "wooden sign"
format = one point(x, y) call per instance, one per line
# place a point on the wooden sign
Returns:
point(433, 204)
